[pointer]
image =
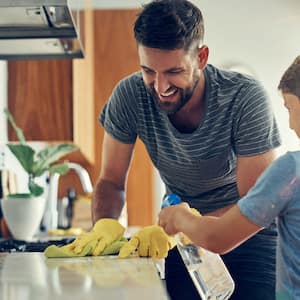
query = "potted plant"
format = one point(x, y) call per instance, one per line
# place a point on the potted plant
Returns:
point(23, 212)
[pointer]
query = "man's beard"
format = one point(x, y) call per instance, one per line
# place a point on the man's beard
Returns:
point(170, 107)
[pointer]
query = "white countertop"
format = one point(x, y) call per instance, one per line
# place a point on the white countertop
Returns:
point(31, 276)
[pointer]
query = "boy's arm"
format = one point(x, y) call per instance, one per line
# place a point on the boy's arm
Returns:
point(217, 234)
point(222, 234)
point(249, 168)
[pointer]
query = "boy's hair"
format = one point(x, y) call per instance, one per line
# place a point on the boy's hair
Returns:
point(290, 81)
point(169, 25)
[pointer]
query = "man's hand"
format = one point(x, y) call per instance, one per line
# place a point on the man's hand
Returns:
point(104, 233)
point(64, 251)
point(149, 241)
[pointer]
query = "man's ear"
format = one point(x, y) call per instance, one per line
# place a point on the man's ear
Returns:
point(203, 53)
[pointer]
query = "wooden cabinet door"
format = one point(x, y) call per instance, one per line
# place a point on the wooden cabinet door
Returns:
point(40, 99)
point(116, 57)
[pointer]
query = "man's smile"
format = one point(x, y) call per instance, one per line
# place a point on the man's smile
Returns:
point(169, 93)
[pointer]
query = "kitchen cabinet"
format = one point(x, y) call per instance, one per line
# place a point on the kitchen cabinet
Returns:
point(60, 100)
point(40, 98)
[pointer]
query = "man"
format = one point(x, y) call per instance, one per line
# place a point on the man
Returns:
point(210, 134)
point(275, 195)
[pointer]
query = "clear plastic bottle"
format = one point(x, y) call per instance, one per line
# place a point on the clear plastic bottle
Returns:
point(207, 269)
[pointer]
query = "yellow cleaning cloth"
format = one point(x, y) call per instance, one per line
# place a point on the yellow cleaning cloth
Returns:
point(53, 251)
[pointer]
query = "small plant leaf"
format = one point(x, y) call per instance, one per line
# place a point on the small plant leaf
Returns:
point(18, 130)
point(61, 169)
point(55, 152)
point(40, 171)
point(35, 166)
point(20, 196)
point(51, 154)
point(24, 154)
point(35, 189)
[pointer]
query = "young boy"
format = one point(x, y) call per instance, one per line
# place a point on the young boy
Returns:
point(275, 194)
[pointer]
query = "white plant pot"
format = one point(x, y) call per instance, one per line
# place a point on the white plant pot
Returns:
point(23, 216)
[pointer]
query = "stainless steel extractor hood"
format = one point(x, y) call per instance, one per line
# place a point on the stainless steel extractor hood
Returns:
point(36, 29)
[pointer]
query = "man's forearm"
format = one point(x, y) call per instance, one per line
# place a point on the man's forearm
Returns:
point(108, 201)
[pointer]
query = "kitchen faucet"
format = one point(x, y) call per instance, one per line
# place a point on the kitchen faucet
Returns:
point(50, 219)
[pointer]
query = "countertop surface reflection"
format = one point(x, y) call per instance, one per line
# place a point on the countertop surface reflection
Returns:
point(31, 276)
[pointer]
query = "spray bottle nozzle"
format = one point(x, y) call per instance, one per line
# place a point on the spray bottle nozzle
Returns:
point(171, 199)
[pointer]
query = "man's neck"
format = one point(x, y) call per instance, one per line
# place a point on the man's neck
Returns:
point(190, 115)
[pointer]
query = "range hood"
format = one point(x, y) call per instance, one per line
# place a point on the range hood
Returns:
point(39, 29)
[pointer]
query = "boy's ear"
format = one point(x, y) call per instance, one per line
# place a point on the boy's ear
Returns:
point(203, 53)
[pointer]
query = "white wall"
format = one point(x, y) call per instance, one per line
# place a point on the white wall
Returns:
point(263, 35)
point(10, 162)
point(3, 101)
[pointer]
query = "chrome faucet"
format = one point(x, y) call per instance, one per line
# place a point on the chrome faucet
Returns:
point(50, 218)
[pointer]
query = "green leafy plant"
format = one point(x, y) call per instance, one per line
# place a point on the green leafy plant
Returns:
point(36, 164)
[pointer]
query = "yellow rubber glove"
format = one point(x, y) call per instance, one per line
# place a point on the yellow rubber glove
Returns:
point(104, 232)
point(195, 212)
point(53, 251)
point(149, 241)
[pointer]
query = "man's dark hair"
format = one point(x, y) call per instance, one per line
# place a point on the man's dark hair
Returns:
point(290, 81)
point(169, 25)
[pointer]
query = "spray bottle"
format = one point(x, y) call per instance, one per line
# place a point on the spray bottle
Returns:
point(207, 270)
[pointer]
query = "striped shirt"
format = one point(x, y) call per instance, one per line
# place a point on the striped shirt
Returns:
point(200, 166)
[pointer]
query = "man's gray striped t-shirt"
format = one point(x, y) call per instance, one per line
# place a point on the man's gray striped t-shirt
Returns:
point(199, 166)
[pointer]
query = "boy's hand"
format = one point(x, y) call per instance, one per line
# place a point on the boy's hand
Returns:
point(172, 216)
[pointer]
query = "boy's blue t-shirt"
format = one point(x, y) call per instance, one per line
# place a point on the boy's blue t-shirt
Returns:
point(277, 194)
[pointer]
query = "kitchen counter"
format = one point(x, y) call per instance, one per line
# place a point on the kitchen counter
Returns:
point(31, 276)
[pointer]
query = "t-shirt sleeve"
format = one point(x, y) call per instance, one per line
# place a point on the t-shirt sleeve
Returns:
point(118, 116)
point(255, 130)
point(272, 192)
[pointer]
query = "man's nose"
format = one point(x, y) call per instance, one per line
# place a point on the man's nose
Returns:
point(161, 83)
